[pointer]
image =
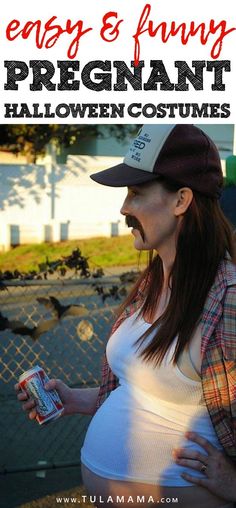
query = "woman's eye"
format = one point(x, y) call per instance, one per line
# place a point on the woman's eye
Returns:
point(132, 192)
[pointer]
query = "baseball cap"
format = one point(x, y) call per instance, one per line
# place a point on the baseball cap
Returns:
point(181, 153)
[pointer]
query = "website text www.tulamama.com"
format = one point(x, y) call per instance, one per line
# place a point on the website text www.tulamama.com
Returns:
point(145, 500)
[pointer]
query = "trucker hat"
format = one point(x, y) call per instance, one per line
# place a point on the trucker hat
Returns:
point(182, 153)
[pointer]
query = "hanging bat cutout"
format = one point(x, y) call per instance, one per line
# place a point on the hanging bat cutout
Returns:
point(6, 324)
point(36, 331)
point(60, 311)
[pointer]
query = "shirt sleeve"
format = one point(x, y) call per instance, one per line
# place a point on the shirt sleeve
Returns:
point(229, 350)
point(229, 325)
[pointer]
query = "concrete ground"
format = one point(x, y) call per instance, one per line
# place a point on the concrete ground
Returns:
point(25, 490)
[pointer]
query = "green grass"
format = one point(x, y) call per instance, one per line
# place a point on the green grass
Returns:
point(102, 252)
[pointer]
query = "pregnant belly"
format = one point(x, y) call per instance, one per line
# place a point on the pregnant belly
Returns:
point(106, 492)
point(136, 445)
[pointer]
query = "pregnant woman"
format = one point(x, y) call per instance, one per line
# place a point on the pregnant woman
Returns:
point(164, 422)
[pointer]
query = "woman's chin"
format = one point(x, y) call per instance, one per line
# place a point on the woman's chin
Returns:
point(138, 241)
point(139, 244)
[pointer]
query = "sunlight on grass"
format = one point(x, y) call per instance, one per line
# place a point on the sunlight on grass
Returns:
point(101, 252)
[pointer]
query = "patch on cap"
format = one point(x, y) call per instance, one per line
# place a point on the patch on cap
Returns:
point(145, 148)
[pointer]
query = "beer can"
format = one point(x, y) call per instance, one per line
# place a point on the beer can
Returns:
point(48, 403)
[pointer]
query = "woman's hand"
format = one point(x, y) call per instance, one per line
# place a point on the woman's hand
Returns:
point(74, 400)
point(219, 471)
point(65, 393)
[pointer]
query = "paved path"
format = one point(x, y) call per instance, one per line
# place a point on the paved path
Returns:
point(25, 490)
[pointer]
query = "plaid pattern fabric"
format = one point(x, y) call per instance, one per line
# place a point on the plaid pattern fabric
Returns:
point(218, 355)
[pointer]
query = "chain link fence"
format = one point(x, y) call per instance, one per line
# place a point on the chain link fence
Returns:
point(71, 349)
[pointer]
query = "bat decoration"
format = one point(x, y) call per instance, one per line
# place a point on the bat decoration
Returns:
point(17, 327)
point(128, 277)
point(75, 261)
point(35, 331)
point(3, 287)
point(6, 324)
point(60, 311)
point(114, 292)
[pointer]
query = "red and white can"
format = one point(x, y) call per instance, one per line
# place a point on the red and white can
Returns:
point(48, 403)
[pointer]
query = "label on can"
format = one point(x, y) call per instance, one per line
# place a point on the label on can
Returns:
point(48, 403)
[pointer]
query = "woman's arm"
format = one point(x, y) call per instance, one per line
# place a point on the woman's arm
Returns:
point(83, 401)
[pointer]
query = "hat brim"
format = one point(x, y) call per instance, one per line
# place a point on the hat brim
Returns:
point(123, 175)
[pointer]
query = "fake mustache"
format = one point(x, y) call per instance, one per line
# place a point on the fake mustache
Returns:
point(132, 222)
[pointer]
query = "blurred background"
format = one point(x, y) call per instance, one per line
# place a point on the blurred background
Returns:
point(45, 187)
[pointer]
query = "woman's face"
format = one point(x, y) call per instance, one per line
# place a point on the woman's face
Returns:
point(153, 208)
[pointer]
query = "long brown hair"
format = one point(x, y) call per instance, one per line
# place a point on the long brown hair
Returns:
point(204, 240)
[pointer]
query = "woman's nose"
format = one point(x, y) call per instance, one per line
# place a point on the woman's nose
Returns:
point(124, 208)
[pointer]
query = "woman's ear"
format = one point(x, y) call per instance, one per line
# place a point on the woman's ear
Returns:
point(184, 199)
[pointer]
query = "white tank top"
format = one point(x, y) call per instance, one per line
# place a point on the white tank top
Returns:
point(132, 435)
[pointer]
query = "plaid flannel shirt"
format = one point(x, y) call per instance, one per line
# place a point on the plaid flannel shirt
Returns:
point(218, 347)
